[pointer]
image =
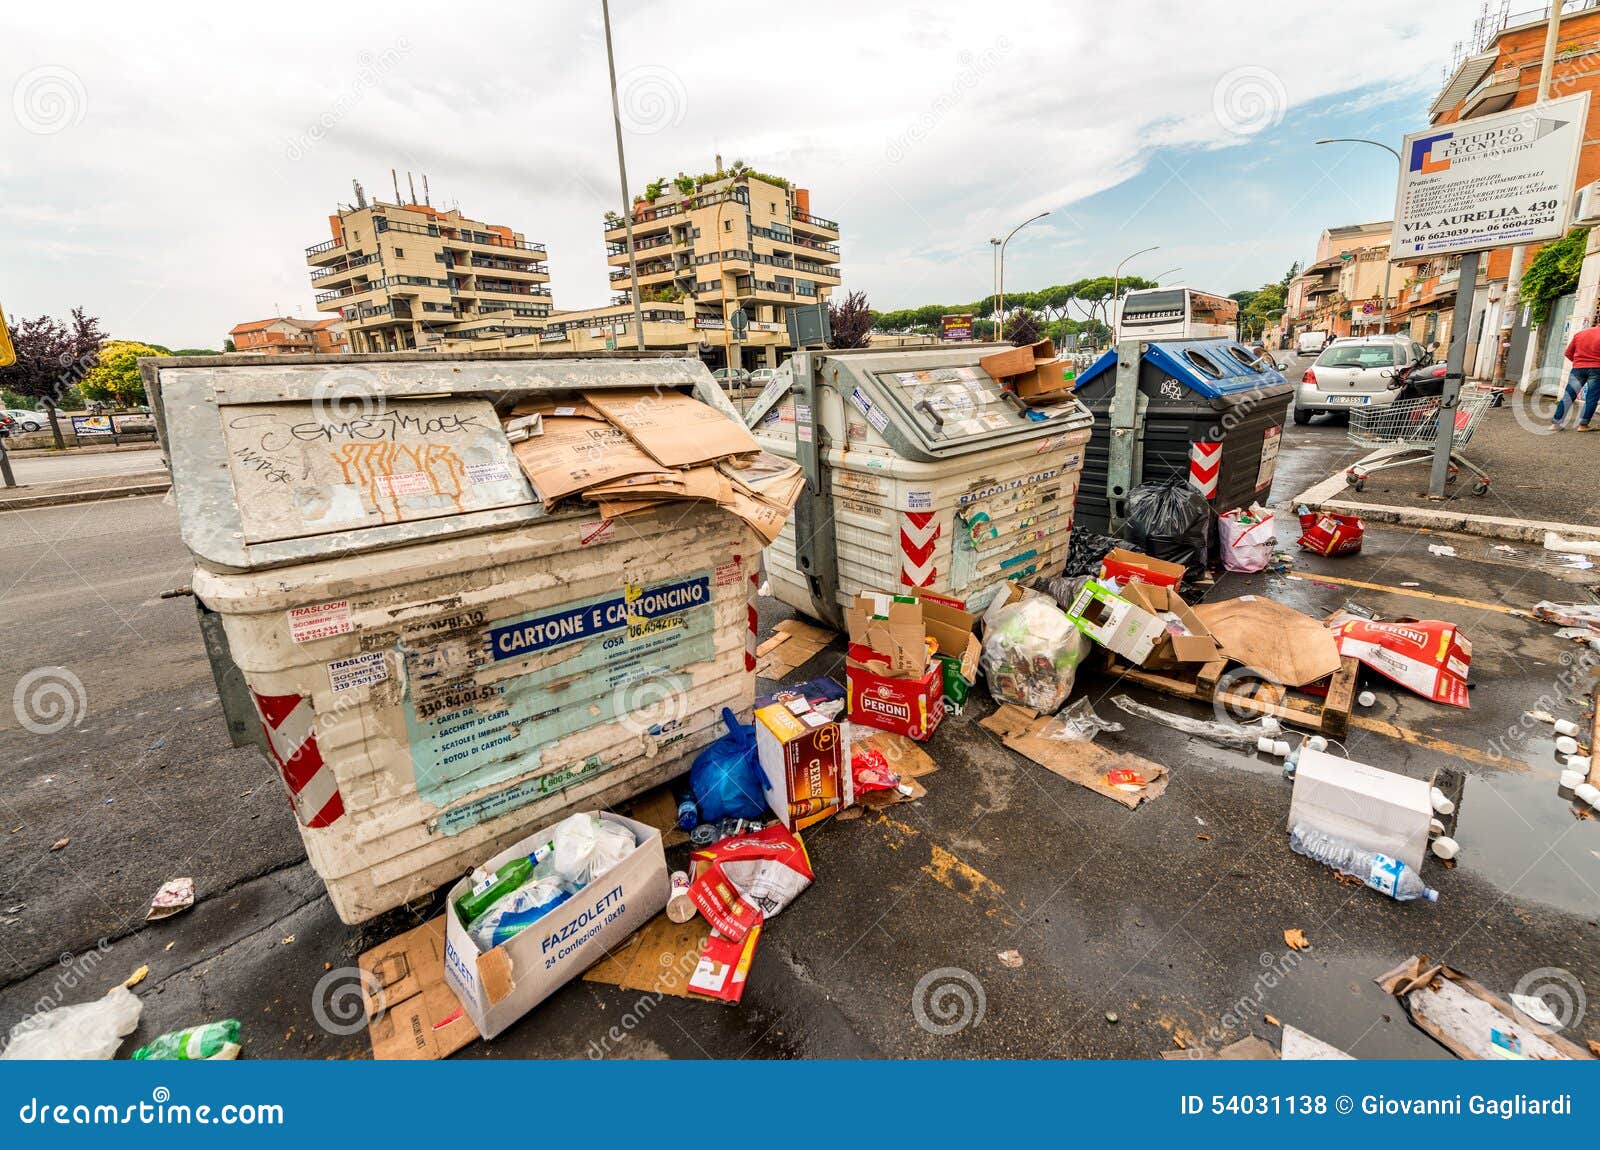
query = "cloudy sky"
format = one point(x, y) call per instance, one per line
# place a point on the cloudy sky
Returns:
point(166, 166)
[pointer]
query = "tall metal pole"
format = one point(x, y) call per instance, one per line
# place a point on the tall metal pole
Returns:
point(622, 172)
point(1116, 285)
point(994, 280)
point(1455, 361)
point(1003, 244)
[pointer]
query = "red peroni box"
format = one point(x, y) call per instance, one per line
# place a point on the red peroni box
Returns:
point(1331, 534)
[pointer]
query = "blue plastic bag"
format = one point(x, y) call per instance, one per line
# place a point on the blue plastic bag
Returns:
point(725, 777)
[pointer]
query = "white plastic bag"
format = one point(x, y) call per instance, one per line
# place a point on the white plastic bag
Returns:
point(587, 847)
point(88, 1030)
point(1247, 546)
point(1031, 652)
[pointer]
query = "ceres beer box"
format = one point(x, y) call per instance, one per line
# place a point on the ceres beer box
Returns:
point(806, 768)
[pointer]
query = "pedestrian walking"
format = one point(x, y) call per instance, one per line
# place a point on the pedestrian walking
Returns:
point(1584, 352)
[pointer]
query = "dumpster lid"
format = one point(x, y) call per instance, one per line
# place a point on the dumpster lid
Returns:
point(1212, 368)
point(302, 458)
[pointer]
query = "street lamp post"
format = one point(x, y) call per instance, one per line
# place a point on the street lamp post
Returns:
point(622, 171)
point(1159, 276)
point(1116, 286)
point(1003, 244)
point(994, 278)
point(1388, 256)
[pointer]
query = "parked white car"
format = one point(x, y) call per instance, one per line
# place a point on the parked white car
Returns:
point(26, 421)
point(1359, 372)
point(762, 376)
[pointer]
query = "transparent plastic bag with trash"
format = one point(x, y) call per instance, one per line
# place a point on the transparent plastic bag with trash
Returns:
point(1239, 736)
point(1031, 652)
point(1077, 723)
point(83, 1032)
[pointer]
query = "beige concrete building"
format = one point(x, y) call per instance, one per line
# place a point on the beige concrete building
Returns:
point(707, 247)
point(408, 276)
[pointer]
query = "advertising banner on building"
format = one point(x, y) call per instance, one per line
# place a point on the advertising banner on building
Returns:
point(1489, 182)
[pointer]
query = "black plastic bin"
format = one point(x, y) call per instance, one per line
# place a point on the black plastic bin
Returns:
point(1213, 412)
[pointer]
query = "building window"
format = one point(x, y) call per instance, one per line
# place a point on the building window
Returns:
point(727, 225)
point(399, 253)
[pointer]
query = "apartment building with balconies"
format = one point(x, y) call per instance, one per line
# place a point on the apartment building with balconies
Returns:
point(409, 277)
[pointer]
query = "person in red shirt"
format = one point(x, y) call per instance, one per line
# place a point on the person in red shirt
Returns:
point(1584, 352)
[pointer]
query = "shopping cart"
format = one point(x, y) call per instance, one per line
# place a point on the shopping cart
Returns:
point(1403, 432)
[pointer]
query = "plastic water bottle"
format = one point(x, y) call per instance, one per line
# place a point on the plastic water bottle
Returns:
point(1386, 875)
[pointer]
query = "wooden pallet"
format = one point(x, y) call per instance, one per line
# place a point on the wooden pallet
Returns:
point(1329, 716)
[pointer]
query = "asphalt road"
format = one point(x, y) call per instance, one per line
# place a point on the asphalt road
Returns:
point(32, 469)
point(1167, 916)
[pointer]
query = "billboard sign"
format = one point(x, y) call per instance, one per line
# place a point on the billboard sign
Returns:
point(956, 326)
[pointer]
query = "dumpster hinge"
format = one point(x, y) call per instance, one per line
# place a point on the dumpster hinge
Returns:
point(815, 545)
point(1125, 455)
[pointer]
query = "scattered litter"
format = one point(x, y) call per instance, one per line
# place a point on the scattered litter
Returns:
point(1536, 1009)
point(136, 977)
point(680, 907)
point(59, 844)
point(1467, 1018)
point(1589, 793)
point(1445, 847)
point(1543, 717)
point(1239, 736)
point(1366, 698)
point(1576, 562)
point(1330, 534)
point(1442, 549)
point(1295, 939)
point(876, 756)
point(1298, 1046)
point(1010, 958)
point(1203, 838)
point(1555, 542)
point(791, 643)
point(1085, 763)
point(1111, 1017)
point(170, 945)
point(1248, 538)
point(88, 1030)
point(1078, 722)
point(1428, 657)
point(1567, 745)
point(1281, 644)
point(176, 895)
point(1567, 614)
point(1031, 650)
point(210, 1042)
point(1411, 583)
point(1271, 1021)
point(1505, 548)
point(288, 939)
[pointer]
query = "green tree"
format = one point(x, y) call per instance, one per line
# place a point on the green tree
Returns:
point(1553, 272)
point(52, 357)
point(115, 376)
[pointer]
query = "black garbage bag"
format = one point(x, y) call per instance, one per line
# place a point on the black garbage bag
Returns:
point(1168, 519)
point(1085, 549)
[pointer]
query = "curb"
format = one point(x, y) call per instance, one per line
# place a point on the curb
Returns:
point(81, 449)
point(97, 495)
point(1320, 497)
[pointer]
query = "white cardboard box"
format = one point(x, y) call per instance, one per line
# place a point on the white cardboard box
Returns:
point(1365, 806)
point(501, 985)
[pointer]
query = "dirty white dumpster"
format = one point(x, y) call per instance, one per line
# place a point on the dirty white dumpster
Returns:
point(433, 661)
point(922, 472)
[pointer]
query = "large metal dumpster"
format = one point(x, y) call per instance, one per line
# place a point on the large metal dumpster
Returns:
point(922, 472)
point(434, 661)
point(1205, 408)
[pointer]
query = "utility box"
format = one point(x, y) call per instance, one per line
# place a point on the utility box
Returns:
point(1204, 408)
point(923, 472)
point(434, 660)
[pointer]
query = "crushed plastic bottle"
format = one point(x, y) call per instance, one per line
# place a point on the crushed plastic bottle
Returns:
point(211, 1042)
point(1386, 875)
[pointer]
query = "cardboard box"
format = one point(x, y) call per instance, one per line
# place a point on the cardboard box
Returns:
point(501, 985)
point(887, 634)
point(575, 453)
point(1122, 565)
point(1362, 805)
point(1018, 360)
point(805, 764)
point(893, 683)
point(1284, 645)
point(1422, 655)
point(1195, 644)
point(675, 429)
point(1116, 623)
point(413, 1013)
point(912, 707)
point(1048, 380)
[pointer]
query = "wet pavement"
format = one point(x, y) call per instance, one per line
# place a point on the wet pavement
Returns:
point(1170, 916)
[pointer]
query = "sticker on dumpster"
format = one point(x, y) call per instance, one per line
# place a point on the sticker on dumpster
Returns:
point(322, 621)
point(358, 671)
point(406, 483)
point(918, 499)
point(1270, 443)
point(480, 473)
point(471, 724)
point(601, 532)
point(730, 572)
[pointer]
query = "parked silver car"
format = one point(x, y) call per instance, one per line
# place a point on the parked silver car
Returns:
point(23, 422)
point(1356, 372)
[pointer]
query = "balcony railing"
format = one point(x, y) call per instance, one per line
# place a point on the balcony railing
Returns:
point(326, 246)
point(814, 221)
point(531, 267)
point(344, 292)
point(815, 245)
point(512, 289)
point(344, 268)
point(822, 270)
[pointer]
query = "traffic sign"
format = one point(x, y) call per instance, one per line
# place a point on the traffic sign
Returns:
point(8, 354)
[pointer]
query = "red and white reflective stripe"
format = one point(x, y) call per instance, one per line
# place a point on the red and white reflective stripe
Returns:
point(1205, 464)
point(919, 535)
point(750, 637)
point(290, 725)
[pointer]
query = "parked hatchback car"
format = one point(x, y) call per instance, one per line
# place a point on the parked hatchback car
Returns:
point(25, 421)
point(738, 377)
point(1364, 371)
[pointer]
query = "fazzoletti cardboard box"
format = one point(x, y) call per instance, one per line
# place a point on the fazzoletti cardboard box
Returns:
point(803, 761)
point(1363, 805)
point(499, 986)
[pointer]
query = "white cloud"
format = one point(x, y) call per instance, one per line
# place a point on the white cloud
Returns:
point(213, 143)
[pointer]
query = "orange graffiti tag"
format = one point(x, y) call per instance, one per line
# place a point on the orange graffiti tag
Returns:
point(384, 472)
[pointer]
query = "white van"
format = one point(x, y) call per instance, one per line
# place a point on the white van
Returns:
point(1312, 342)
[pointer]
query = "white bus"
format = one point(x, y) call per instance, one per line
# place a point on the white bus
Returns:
point(1176, 313)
